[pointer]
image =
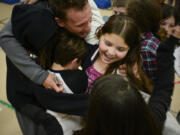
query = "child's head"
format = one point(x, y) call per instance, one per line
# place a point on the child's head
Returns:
point(119, 39)
point(146, 13)
point(117, 108)
point(119, 6)
point(65, 49)
point(168, 19)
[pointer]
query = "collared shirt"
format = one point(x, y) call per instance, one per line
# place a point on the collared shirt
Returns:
point(149, 46)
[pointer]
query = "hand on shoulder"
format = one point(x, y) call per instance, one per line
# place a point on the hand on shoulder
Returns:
point(50, 83)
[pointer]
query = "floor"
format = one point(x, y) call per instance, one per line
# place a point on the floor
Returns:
point(8, 120)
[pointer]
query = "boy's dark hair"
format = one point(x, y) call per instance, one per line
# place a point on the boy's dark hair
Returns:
point(146, 13)
point(62, 48)
point(59, 7)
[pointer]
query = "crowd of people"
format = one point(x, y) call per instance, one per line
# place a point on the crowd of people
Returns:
point(71, 73)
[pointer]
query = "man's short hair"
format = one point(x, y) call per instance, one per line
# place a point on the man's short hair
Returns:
point(59, 7)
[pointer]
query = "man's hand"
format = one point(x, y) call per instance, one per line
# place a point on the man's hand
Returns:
point(30, 1)
point(50, 83)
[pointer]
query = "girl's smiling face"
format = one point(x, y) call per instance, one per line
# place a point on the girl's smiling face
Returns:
point(112, 48)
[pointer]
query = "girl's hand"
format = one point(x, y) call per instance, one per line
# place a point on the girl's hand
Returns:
point(176, 32)
point(123, 70)
point(50, 83)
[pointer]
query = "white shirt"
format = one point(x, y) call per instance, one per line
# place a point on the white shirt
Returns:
point(96, 22)
point(177, 60)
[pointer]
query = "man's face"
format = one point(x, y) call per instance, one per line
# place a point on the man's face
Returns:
point(78, 21)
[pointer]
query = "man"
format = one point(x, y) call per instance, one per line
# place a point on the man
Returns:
point(73, 21)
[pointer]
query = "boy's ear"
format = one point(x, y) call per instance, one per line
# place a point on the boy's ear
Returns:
point(74, 64)
point(75, 61)
point(59, 22)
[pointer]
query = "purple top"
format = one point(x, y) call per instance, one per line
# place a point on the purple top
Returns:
point(92, 74)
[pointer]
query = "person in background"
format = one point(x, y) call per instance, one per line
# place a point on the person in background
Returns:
point(147, 22)
point(119, 6)
point(168, 23)
point(147, 15)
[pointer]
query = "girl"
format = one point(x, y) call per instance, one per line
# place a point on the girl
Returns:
point(119, 44)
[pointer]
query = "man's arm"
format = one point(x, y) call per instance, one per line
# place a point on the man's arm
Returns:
point(164, 83)
point(18, 55)
point(74, 104)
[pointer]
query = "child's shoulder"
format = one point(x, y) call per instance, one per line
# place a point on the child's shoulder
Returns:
point(76, 80)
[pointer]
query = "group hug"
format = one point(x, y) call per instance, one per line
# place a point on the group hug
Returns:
point(69, 72)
